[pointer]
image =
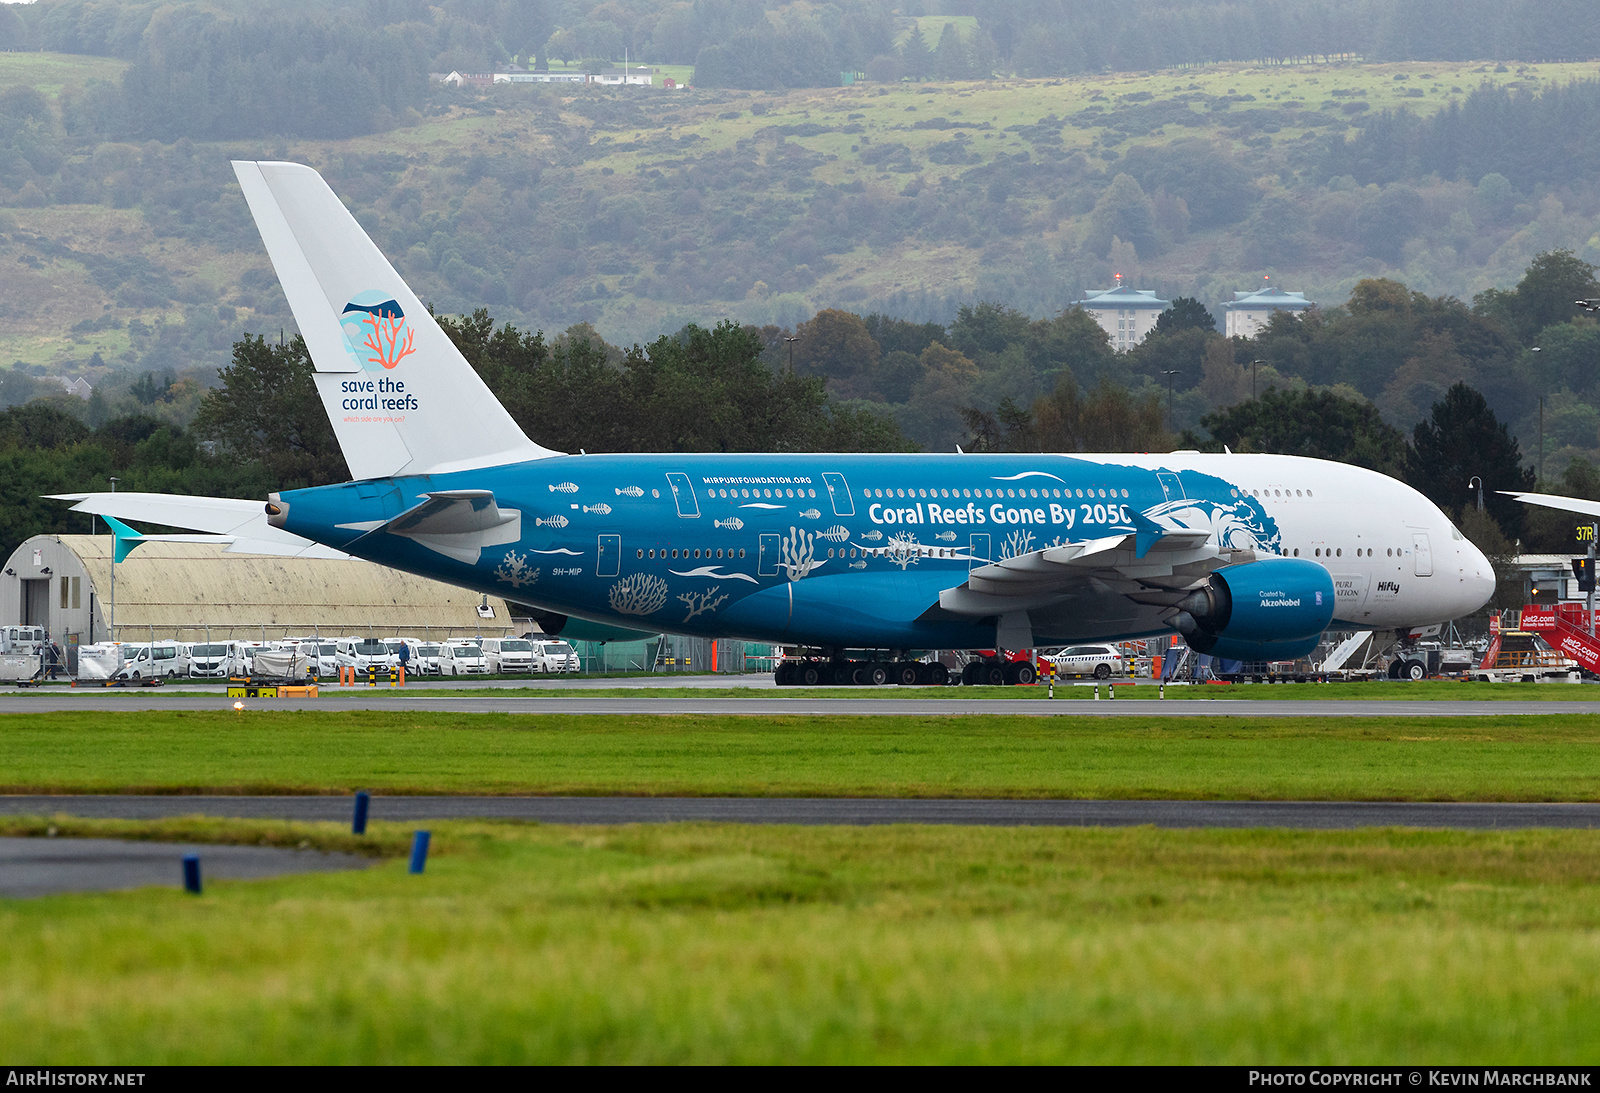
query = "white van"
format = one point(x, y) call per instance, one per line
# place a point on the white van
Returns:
point(460, 658)
point(157, 660)
point(508, 655)
point(214, 660)
point(22, 639)
point(555, 656)
point(363, 653)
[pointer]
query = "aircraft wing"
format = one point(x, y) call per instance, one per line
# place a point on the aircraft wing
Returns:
point(1578, 505)
point(239, 523)
point(1162, 574)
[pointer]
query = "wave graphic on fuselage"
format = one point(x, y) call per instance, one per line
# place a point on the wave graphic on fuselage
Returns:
point(1027, 474)
point(559, 550)
point(710, 571)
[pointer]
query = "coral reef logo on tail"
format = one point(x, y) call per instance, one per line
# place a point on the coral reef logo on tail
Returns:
point(375, 331)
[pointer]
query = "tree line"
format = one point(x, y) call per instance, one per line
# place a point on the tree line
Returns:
point(231, 71)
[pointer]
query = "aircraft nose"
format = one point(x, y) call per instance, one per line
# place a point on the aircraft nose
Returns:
point(1477, 578)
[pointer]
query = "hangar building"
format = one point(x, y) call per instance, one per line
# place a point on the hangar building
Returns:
point(196, 592)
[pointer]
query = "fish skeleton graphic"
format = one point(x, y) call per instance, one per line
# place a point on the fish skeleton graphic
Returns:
point(630, 491)
point(564, 487)
point(557, 521)
point(732, 523)
point(811, 514)
point(602, 509)
point(873, 536)
point(835, 534)
point(946, 536)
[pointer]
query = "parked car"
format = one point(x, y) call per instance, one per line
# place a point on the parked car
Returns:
point(426, 661)
point(555, 656)
point(1099, 661)
point(508, 655)
point(459, 658)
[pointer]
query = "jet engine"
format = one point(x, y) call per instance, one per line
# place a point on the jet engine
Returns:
point(1272, 609)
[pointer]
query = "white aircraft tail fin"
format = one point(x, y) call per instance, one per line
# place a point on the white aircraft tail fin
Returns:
point(402, 398)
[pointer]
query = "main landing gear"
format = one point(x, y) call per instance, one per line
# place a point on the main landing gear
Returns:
point(859, 673)
point(822, 672)
point(996, 673)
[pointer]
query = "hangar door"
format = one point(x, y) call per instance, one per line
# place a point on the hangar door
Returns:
point(36, 602)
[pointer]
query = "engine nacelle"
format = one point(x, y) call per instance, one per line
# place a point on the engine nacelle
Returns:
point(1272, 609)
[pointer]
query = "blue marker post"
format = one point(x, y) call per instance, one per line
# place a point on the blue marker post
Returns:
point(358, 822)
point(191, 874)
point(419, 851)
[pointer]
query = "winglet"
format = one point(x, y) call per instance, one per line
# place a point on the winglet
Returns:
point(1146, 532)
point(127, 538)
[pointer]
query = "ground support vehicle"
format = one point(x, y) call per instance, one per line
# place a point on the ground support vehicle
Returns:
point(1518, 656)
point(23, 669)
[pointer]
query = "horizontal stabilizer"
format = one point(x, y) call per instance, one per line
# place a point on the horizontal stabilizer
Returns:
point(456, 523)
point(239, 523)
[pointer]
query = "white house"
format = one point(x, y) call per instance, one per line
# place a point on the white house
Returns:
point(642, 75)
point(540, 77)
point(1249, 311)
point(1126, 314)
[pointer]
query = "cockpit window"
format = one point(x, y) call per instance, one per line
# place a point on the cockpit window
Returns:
point(1455, 533)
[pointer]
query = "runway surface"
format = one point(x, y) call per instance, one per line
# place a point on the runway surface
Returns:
point(41, 867)
point(1310, 815)
point(487, 701)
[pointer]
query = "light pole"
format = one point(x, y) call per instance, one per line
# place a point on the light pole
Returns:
point(111, 619)
point(1253, 379)
point(791, 341)
point(1169, 373)
point(1540, 482)
point(1475, 480)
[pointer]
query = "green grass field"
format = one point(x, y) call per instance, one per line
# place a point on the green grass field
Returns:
point(714, 944)
point(1432, 759)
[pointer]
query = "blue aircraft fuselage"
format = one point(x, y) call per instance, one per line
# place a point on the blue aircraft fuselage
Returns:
point(830, 551)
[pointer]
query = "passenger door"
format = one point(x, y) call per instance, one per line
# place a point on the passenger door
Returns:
point(978, 551)
point(768, 553)
point(1421, 554)
point(839, 493)
point(608, 556)
point(683, 495)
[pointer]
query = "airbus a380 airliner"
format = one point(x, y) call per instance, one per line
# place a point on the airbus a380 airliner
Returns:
point(1249, 556)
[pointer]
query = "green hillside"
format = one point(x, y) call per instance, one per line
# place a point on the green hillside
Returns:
point(640, 210)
